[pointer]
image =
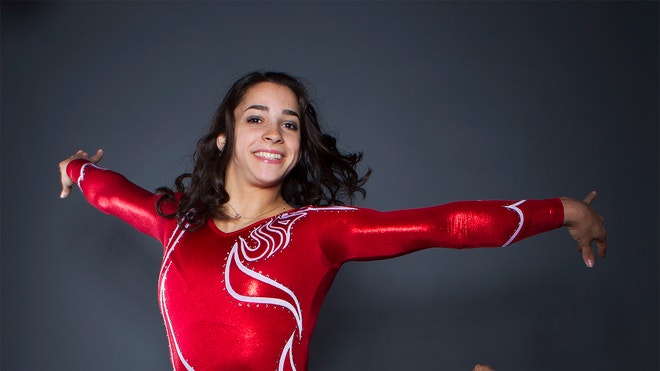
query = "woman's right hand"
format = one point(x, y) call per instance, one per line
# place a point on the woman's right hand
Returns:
point(67, 183)
point(586, 226)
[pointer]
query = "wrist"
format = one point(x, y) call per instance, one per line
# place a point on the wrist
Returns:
point(572, 210)
point(73, 167)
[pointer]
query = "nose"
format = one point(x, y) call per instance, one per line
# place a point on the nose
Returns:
point(272, 134)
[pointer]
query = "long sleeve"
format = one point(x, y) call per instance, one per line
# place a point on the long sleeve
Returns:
point(369, 234)
point(113, 194)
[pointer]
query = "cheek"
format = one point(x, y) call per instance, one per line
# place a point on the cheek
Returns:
point(243, 138)
point(297, 158)
point(297, 149)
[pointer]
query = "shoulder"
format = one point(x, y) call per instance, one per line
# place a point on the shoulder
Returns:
point(327, 211)
point(320, 216)
point(167, 203)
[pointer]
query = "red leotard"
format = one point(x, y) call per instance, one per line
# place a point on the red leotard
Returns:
point(249, 299)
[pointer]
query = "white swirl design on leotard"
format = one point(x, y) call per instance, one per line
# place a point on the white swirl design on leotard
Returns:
point(164, 269)
point(291, 302)
point(287, 354)
point(515, 208)
point(262, 243)
point(270, 237)
point(81, 177)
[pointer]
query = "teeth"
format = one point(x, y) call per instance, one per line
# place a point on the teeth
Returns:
point(269, 156)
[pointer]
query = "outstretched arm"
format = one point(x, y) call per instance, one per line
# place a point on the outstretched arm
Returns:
point(369, 234)
point(586, 226)
point(112, 193)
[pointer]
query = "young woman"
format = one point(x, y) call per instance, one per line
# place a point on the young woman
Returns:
point(254, 241)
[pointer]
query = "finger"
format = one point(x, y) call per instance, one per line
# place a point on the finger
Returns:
point(591, 196)
point(66, 184)
point(79, 154)
point(587, 255)
point(97, 156)
point(66, 191)
point(602, 248)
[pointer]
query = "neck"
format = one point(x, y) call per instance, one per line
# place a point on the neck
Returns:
point(243, 211)
point(249, 204)
point(254, 211)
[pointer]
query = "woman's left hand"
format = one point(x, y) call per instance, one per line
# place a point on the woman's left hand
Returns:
point(67, 183)
point(585, 225)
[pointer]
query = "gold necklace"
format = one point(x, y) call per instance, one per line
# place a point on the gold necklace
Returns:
point(239, 216)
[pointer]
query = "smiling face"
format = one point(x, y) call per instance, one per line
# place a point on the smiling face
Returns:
point(266, 137)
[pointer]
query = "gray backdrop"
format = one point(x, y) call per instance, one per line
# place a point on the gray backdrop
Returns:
point(447, 100)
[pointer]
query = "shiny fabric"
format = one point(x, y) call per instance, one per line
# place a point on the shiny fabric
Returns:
point(249, 299)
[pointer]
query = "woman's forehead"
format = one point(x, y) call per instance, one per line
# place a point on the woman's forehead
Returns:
point(267, 94)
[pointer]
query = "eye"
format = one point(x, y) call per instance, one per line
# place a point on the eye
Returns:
point(290, 125)
point(254, 120)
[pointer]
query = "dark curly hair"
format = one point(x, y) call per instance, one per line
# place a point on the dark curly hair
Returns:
point(322, 176)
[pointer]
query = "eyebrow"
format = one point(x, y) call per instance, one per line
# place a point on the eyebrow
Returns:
point(264, 108)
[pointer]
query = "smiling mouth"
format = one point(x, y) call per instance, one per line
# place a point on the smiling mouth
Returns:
point(268, 155)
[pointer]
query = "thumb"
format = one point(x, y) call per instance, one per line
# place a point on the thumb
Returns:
point(67, 183)
point(66, 191)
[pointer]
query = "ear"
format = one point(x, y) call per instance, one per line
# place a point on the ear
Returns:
point(220, 141)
